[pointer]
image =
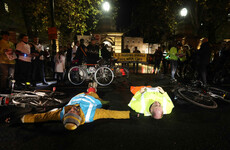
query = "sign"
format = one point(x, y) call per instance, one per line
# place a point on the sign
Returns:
point(52, 33)
point(131, 57)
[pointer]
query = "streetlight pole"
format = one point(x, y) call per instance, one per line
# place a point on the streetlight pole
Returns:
point(52, 24)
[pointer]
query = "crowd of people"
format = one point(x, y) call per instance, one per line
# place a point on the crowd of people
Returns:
point(176, 57)
point(23, 61)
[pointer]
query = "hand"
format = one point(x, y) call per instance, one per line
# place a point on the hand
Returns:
point(160, 90)
point(142, 90)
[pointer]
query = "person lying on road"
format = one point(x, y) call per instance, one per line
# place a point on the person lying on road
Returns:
point(150, 101)
point(82, 108)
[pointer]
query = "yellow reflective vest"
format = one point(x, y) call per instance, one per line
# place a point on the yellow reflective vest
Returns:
point(142, 102)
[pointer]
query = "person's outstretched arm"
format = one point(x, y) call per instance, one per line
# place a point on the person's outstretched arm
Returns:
point(111, 114)
point(42, 117)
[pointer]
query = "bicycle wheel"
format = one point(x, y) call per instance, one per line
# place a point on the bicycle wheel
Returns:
point(198, 98)
point(103, 76)
point(76, 75)
point(219, 94)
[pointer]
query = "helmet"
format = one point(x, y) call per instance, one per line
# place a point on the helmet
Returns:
point(71, 121)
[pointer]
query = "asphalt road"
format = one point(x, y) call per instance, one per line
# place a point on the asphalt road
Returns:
point(188, 127)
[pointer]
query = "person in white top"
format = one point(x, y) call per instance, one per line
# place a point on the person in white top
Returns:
point(38, 73)
point(59, 60)
point(23, 64)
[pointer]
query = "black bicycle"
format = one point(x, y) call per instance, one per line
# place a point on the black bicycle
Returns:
point(203, 97)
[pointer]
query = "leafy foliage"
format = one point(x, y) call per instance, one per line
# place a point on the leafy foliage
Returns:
point(71, 16)
point(155, 19)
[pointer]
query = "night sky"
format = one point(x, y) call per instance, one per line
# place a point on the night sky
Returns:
point(124, 13)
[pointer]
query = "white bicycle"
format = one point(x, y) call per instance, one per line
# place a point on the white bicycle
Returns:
point(103, 75)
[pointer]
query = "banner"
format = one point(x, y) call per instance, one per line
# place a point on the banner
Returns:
point(131, 57)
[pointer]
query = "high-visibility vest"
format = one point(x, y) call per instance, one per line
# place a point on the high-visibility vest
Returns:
point(172, 53)
point(142, 102)
point(88, 104)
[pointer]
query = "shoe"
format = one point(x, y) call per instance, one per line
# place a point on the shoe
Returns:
point(45, 83)
point(173, 80)
point(90, 84)
point(94, 85)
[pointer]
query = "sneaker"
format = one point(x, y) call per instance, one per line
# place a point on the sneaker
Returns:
point(173, 80)
point(90, 84)
point(94, 85)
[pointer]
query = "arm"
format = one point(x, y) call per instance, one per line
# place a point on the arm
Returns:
point(111, 114)
point(41, 117)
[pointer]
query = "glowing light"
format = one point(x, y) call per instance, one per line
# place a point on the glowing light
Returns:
point(106, 6)
point(184, 12)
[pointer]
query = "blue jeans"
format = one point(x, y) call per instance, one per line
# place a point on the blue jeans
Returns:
point(173, 64)
point(6, 71)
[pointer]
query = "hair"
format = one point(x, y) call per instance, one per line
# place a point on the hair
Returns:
point(82, 41)
point(5, 33)
point(22, 35)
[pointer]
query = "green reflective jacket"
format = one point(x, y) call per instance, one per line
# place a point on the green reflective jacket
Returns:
point(142, 102)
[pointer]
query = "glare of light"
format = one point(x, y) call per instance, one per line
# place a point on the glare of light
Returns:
point(106, 6)
point(6, 7)
point(184, 12)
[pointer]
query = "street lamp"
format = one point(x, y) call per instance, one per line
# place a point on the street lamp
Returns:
point(184, 12)
point(106, 6)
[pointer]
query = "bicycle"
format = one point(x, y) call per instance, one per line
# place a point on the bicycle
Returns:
point(102, 74)
point(39, 100)
point(118, 70)
point(203, 97)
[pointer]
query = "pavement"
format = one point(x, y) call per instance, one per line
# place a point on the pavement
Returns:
point(188, 127)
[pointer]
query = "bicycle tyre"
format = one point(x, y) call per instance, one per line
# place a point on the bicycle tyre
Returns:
point(198, 98)
point(104, 76)
point(38, 104)
point(76, 75)
point(219, 94)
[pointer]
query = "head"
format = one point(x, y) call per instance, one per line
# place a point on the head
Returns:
point(5, 35)
point(36, 40)
point(82, 41)
point(72, 118)
point(24, 38)
point(156, 110)
point(93, 40)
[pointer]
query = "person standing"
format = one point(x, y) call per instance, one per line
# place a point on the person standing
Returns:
point(173, 60)
point(106, 55)
point(7, 61)
point(135, 65)
point(165, 60)
point(69, 56)
point(38, 73)
point(204, 55)
point(92, 52)
point(74, 49)
point(126, 50)
point(81, 55)
point(158, 58)
point(59, 60)
point(23, 66)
